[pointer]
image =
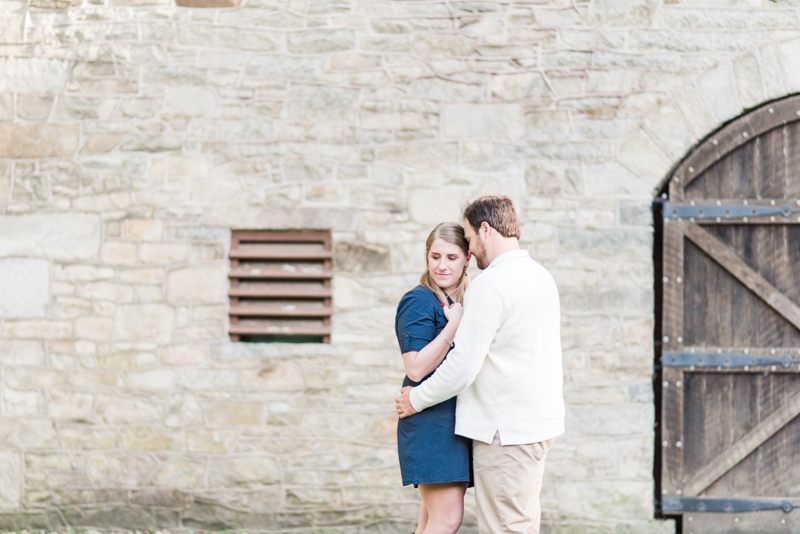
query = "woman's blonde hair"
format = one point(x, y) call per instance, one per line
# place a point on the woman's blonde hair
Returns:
point(449, 233)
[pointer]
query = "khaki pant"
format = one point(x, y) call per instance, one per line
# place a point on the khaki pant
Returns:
point(508, 481)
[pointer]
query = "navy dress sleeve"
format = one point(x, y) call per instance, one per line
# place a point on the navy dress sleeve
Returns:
point(415, 323)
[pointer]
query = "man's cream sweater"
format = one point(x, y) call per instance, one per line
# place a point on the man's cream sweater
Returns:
point(506, 364)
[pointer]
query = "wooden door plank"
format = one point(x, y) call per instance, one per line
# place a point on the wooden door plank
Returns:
point(726, 258)
point(742, 448)
point(672, 328)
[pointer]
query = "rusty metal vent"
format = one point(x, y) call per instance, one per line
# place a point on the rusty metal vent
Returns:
point(280, 286)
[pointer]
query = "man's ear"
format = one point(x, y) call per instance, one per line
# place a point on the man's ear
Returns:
point(485, 226)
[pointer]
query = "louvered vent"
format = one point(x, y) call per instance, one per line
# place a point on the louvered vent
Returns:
point(280, 286)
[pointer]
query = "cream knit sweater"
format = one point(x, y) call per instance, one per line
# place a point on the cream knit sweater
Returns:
point(506, 364)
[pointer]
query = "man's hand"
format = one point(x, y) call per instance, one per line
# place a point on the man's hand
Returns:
point(403, 403)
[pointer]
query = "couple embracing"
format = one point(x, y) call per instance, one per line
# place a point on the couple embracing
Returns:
point(482, 399)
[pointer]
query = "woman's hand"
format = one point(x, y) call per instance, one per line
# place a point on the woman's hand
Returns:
point(454, 313)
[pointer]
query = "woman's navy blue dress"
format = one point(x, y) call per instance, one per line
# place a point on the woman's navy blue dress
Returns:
point(430, 451)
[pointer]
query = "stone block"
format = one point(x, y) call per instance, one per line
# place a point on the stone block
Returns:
point(439, 89)
point(150, 438)
point(291, 68)
point(78, 108)
point(94, 328)
point(139, 322)
point(772, 71)
point(143, 229)
point(187, 354)
point(139, 108)
point(102, 142)
point(28, 433)
point(520, 86)
point(38, 141)
point(440, 45)
point(181, 474)
point(718, 90)
point(231, 130)
point(694, 109)
point(274, 377)
point(19, 352)
point(226, 37)
point(111, 291)
point(391, 120)
point(70, 406)
point(122, 410)
point(378, 197)
point(610, 420)
point(88, 438)
point(214, 441)
point(790, 54)
point(319, 41)
point(361, 258)
point(24, 287)
point(192, 378)
point(120, 469)
point(202, 283)
point(224, 413)
point(10, 480)
point(37, 329)
point(151, 378)
point(667, 126)
point(432, 206)
point(34, 108)
point(305, 171)
point(20, 402)
point(641, 155)
point(623, 13)
point(119, 253)
point(632, 500)
point(611, 179)
point(426, 156)
point(245, 473)
point(311, 104)
point(492, 121)
point(190, 101)
point(33, 75)
point(163, 252)
point(547, 126)
point(63, 236)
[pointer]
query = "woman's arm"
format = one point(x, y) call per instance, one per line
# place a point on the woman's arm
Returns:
point(420, 364)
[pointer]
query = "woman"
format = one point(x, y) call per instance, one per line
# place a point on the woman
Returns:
point(432, 456)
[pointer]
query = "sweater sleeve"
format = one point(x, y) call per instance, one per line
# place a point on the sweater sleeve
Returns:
point(483, 310)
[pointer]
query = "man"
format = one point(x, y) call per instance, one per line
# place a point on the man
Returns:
point(505, 369)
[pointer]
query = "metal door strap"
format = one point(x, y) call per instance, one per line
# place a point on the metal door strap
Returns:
point(725, 359)
point(723, 211)
point(700, 504)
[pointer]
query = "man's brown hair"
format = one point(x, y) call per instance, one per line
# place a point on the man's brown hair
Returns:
point(497, 211)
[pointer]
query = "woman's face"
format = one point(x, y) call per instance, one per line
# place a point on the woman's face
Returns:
point(446, 262)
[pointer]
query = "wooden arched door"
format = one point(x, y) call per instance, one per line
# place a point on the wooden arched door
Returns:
point(729, 379)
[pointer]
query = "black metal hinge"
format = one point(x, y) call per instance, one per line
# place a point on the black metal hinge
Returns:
point(701, 504)
point(724, 211)
point(713, 359)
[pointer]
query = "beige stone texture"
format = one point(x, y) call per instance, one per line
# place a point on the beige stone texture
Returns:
point(163, 252)
point(119, 253)
point(203, 283)
point(63, 236)
point(143, 229)
point(135, 136)
point(187, 354)
point(180, 474)
point(24, 287)
point(38, 141)
point(138, 322)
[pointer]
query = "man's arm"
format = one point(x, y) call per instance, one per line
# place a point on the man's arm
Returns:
point(483, 309)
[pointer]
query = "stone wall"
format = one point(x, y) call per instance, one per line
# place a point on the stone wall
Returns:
point(135, 135)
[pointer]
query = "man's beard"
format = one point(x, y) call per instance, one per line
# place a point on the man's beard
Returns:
point(480, 255)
